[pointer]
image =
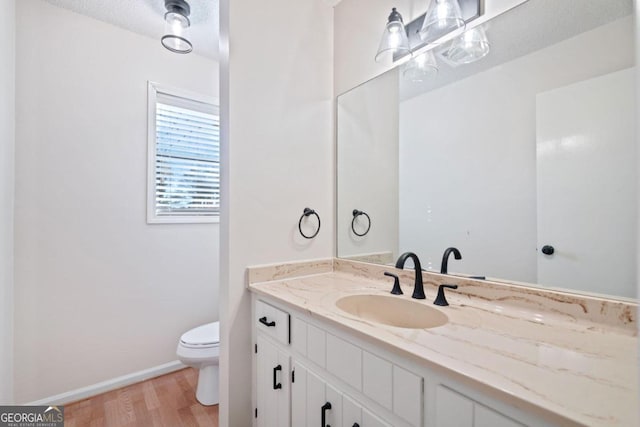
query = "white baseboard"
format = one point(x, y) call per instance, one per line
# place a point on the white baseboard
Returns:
point(112, 384)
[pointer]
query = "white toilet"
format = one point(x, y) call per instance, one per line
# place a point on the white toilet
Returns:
point(200, 349)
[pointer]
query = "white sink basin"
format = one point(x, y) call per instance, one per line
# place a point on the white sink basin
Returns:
point(392, 311)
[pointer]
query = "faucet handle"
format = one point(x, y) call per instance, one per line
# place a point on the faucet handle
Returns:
point(440, 298)
point(396, 283)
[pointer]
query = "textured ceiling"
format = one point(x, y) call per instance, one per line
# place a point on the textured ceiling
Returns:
point(146, 17)
point(529, 27)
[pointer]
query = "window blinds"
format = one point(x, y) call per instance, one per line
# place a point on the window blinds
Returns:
point(187, 164)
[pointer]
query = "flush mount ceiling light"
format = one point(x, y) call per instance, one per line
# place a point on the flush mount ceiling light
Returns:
point(176, 28)
point(469, 47)
point(442, 17)
point(394, 38)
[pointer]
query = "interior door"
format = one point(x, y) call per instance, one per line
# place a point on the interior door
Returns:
point(587, 185)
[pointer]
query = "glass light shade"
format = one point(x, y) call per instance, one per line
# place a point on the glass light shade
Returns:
point(442, 17)
point(394, 38)
point(176, 30)
point(469, 47)
point(420, 68)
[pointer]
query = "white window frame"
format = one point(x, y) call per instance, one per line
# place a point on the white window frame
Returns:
point(152, 96)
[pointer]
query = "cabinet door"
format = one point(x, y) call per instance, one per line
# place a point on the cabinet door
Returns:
point(311, 397)
point(298, 396)
point(316, 399)
point(370, 420)
point(351, 413)
point(272, 391)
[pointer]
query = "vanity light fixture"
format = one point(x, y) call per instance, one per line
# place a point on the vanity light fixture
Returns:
point(420, 68)
point(176, 29)
point(442, 17)
point(471, 46)
point(394, 38)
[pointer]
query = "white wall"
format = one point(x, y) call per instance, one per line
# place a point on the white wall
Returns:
point(451, 167)
point(277, 129)
point(368, 167)
point(99, 293)
point(7, 147)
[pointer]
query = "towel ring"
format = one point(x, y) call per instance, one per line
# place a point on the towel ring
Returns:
point(356, 214)
point(307, 212)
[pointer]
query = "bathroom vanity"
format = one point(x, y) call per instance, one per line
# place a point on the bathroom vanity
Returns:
point(506, 356)
point(525, 161)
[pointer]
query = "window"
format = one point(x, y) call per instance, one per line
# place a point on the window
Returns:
point(184, 157)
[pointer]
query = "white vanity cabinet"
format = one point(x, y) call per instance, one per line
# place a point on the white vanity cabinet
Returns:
point(293, 361)
point(307, 369)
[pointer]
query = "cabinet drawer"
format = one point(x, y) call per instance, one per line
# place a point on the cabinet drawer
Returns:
point(273, 321)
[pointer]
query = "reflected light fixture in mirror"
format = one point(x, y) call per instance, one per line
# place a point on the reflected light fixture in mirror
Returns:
point(442, 17)
point(471, 46)
point(176, 28)
point(394, 38)
point(420, 68)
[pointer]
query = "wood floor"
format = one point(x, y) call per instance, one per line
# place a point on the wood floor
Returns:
point(166, 401)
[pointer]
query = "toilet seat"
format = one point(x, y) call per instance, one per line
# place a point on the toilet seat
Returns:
point(205, 336)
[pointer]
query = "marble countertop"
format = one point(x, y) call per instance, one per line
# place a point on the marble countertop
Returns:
point(571, 371)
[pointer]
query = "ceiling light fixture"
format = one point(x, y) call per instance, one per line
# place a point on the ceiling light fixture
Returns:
point(394, 38)
point(176, 28)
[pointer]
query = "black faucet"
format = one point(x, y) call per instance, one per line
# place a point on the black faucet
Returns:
point(440, 298)
point(418, 289)
point(445, 259)
point(396, 283)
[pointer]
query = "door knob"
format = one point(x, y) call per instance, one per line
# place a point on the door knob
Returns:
point(548, 250)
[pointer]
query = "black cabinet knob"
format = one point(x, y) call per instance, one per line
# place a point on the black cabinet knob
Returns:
point(548, 250)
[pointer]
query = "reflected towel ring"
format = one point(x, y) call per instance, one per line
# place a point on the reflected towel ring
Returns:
point(356, 214)
point(305, 213)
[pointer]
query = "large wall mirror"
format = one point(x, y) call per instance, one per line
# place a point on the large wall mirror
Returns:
point(531, 146)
